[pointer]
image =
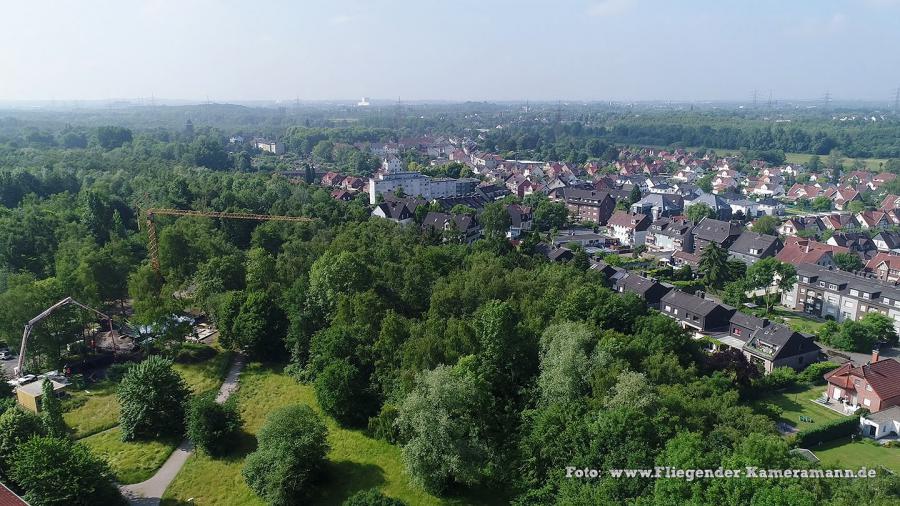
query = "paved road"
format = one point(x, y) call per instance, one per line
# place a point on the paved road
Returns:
point(149, 493)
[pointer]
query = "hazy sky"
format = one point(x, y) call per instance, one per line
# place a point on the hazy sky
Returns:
point(454, 49)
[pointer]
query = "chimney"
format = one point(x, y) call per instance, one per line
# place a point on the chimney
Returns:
point(874, 355)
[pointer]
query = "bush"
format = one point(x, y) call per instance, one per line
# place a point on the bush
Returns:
point(779, 378)
point(814, 372)
point(212, 426)
point(58, 471)
point(191, 353)
point(116, 372)
point(153, 397)
point(828, 431)
point(690, 287)
point(383, 425)
point(372, 497)
point(291, 453)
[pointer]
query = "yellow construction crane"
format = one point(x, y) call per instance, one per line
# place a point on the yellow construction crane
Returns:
point(151, 226)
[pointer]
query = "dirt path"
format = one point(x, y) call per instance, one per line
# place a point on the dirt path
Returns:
point(149, 492)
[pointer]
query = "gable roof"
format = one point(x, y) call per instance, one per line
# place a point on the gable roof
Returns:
point(715, 230)
point(627, 220)
point(692, 303)
point(748, 242)
point(776, 341)
point(892, 261)
point(883, 376)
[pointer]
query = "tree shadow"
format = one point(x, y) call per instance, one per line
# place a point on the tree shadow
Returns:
point(345, 478)
point(242, 445)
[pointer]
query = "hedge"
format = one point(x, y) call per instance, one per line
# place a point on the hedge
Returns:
point(828, 431)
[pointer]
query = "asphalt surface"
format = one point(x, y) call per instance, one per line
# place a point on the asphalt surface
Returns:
point(150, 492)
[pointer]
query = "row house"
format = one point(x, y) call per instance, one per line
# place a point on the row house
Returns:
point(702, 315)
point(629, 229)
point(750, 247)
point(716, 203)
point(858, 243)
point(649, 290)
point(798, 251)
point(887, 241)
point(723, 233)
point(890, 202)
point(822, 292)
point(658, 205)
point(465, 226)
point(669, 234)
point(769, 345)
point(885, 266)
point(520, 220)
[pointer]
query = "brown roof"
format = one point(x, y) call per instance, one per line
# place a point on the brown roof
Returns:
point(892, 261)
point(627, 220)
point(883, 376)
point(9, 498)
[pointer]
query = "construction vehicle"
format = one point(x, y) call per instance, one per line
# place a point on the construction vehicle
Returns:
point(153, 243)
point(20, 365)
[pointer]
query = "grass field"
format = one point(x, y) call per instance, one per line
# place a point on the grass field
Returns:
point(131, 462)
point(355, 462)
point(844, 454)
point(798, 401)
point(799, 322)
point(803, 158)
point(93, 416)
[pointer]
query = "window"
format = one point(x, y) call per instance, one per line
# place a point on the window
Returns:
point(868, 388)
point(867, 402)
point(886, 301)
point(822, 284)
point(832, 286)
point(736, 331)
point(867, 295)
point(854, 292)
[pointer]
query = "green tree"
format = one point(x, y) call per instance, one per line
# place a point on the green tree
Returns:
point(290, 456)
point(848, 262)
point(16, 427)
point(111, 137)
point(714, 265)
point(635, 194)
point(821, 204)
point(441, 422)
point(259, 328)
point(59, 472)
point(565, 362)
point(880, 327)
point(342, 391)
point(766, 225)
point(212, 426)
point(51, 411)
point(495, 221)
point(772, 277)
point(152, 396)
point(699, 211)
point(549, 215)
point(705, 182)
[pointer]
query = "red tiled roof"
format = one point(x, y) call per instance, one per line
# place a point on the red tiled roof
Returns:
point(9, 498)
point(883, 376)
point(893, 261)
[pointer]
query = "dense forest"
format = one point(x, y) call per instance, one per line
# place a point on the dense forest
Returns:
point(491, 368)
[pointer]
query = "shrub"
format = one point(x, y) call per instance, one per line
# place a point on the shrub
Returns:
point(779, 378)
point(291, 453)
point(372, 497)
point(828, 431)
point(152, 396)
point(116, 372)
point(191, 353)
point(383, 425)
point(814, 372)
point(212, 426)
point(58, 471)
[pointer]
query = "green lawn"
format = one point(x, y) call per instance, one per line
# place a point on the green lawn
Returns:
point(92, 410)
point(131, 462)
point(801, 323)
point(355, 462)
point(93, 416)
point(844, 454)
point(798, 401)
point(803, 158)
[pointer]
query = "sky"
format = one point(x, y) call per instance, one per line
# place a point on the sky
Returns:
point(591, 50)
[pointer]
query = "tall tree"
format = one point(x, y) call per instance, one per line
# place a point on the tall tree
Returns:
point(714, 265)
